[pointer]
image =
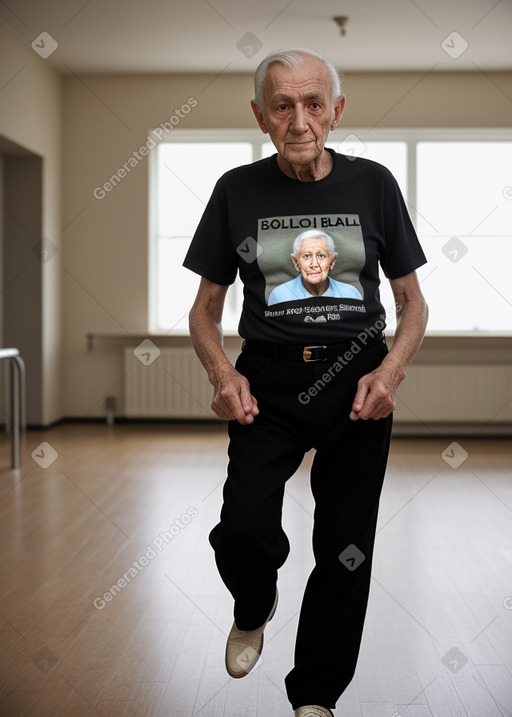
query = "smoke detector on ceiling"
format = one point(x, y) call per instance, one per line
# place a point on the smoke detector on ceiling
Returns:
point(341, 21)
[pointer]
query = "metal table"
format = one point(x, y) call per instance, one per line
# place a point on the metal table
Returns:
point(16, 401)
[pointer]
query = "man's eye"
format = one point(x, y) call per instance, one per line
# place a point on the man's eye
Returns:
point(315, 106)
point(282, 107)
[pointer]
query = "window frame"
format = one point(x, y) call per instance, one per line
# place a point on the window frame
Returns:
point(411, 136)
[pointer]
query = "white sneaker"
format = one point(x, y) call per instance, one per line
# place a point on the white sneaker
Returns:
point(243, 648)
point(313, 711)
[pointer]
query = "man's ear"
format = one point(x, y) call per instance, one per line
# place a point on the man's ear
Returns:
point(259, 117)
point(338, 111)
point(333, 261)
point(295, 262)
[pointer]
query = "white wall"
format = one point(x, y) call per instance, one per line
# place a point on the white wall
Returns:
point(106, 245)
point(31, 117)
point(102, 259)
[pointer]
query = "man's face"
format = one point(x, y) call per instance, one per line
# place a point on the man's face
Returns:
point(314, 261)
point(298, 111)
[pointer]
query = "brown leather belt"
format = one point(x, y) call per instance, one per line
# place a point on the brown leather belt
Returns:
point(318, 352)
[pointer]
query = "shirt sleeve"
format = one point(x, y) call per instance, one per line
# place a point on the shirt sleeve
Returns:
point(403, 253)
point(211, 253)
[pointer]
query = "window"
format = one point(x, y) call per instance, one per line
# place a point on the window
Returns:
point(184, 177)
point(457, 184)
point(465, 226)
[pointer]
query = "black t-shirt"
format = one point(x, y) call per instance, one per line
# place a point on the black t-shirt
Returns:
point(252, 220)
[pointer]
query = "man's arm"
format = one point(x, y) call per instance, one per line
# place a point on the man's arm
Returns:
point(232, 397)
point(376, 392)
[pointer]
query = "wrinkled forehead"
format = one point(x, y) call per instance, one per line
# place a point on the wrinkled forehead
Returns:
point(311, 77)
point(313, 244)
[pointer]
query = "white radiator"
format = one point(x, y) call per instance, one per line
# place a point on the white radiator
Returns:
point(175, 385)
point(455, 394)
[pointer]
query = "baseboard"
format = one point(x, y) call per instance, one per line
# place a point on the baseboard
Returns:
point(401, 429)
point(468, 430)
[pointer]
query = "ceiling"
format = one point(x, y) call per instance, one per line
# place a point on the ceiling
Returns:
point(161, 36)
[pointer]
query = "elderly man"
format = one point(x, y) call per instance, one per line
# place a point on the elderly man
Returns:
point(313, 256)
point(350, 378)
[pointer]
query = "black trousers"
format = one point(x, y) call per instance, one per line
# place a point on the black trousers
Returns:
point(300, 410)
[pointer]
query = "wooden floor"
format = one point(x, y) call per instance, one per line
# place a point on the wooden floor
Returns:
point(110, 602)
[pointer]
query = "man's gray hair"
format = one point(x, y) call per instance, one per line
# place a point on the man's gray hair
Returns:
point(309, 234)
point(292, 58)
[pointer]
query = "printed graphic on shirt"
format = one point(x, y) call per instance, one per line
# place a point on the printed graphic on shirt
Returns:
point(305, 257)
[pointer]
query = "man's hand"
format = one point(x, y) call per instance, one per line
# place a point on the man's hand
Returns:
point(376, 391)
point(232, 398)
point(376, 394)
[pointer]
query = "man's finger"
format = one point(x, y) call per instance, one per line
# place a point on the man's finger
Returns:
point(249, 403)
point(360, 397)
point(237, 402)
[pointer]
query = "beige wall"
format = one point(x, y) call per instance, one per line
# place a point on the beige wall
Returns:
point(106, 242)
point(102, 263)
point(31, 117)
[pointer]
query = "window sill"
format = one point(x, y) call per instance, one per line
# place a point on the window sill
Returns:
point(489, 338)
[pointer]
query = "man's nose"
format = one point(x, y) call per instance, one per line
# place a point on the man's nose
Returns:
point(299, 123)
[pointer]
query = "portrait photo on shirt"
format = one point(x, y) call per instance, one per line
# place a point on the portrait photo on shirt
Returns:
point(305, 257)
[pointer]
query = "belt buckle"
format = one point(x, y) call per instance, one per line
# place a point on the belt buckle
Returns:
point(307, 353)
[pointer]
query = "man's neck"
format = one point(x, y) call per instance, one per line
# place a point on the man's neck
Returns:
point(318, 169)
point(318, 289)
